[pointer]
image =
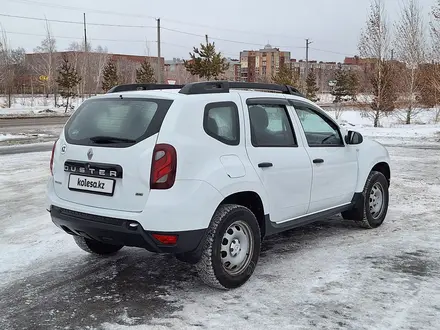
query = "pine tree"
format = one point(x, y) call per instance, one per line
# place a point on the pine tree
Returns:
point(286, 76)
point(145, 74)
point(206, 62)
point(110, 76)
point(347, 84)
point(341, 89)
point(352, 85)
point(68, 78)
point(311, 87)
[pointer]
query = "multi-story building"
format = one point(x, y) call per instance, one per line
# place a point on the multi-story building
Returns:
point(261, 65)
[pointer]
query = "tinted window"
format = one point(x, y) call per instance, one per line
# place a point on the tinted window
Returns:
point(270, 126)
point(319, 130)
point(221, 122)
point(129, 119)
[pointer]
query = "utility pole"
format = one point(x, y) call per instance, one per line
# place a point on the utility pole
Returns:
point(307, 57)
point(86, 51)
point(159, 71)
point(392, 54)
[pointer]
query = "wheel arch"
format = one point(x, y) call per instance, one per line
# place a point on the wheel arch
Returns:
point(384, 168)
point(253, 202)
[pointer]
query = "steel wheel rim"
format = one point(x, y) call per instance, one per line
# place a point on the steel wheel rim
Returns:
point(237, 248)
point(376, 200)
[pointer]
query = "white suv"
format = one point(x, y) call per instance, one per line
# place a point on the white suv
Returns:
point(207, 170)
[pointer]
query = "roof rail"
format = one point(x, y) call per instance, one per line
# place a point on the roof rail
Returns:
point(142, 87)
point(210, 87)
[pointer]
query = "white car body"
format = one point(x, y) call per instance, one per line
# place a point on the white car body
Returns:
point(293, 191)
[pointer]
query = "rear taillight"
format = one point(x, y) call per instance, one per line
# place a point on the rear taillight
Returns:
point(163, 167)
point(51, 157)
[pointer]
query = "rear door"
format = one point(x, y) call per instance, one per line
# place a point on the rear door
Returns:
point(106, 152)
point(278, 157)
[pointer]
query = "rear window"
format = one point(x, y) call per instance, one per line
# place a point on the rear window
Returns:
point(116, 122)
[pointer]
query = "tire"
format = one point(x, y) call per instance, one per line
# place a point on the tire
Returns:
point(95, 247)
point(375, 206)
point(233, 235)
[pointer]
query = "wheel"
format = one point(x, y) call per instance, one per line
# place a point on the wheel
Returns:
point(95, 247)
point(376, 198)
point(232, 248)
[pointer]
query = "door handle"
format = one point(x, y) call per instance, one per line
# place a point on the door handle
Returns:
point(318, 161)
point(264, 165)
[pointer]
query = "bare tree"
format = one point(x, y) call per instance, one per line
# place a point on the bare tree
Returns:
point(410, 45)
point(127, 70)
point(374, 45)
point(46, 65)
point(11, 66)
point(434, 75)
point(98, 61)
point(77, 59)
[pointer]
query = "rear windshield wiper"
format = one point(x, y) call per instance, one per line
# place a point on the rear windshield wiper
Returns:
point(110, 139)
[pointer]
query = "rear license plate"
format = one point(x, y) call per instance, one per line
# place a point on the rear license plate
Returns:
point(91, 184)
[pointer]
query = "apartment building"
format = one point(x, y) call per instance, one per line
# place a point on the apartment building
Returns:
point(261, 65)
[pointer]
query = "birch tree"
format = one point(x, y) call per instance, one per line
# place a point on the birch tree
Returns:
point(434, 74)
point(98, 61)
point(410, 44)
point(374, 44)
point(46, 65)
point(80, 62)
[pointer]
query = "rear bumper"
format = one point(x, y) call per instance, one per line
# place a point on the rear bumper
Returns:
point(122, 232)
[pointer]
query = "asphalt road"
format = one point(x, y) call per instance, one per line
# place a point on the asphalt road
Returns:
point(36, 134)
point(32, 121)
point(330, 275)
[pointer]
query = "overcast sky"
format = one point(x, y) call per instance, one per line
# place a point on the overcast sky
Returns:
point(332, 25)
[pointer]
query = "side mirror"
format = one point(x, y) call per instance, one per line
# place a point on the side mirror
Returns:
point(354, 138)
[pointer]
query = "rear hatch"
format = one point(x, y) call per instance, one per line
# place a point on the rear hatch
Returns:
point(104, 155)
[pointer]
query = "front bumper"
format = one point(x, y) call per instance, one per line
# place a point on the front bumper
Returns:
point(122, 232)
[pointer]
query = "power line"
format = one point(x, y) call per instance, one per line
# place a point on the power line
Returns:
point(108, 12)
point(136, 26)
point(98, 11)
point(76, 22)
point(221, 39)
point(95, 39)
point(147, 26)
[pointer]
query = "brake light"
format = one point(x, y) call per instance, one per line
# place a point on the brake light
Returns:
point(51, 157)
point(163, 167)
point(166, 239)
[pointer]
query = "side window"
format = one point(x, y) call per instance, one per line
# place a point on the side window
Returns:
point(319, 131)
point(221, 122)
point(271, 126)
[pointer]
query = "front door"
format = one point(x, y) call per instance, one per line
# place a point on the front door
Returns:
point(278, 157)
point(335, 165)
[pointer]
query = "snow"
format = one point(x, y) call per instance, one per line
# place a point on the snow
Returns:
point(326, 276)
point(8, 137)
point(392, 131)
point(28, 106)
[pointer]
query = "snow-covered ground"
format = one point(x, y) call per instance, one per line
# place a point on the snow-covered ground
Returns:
point(330, 275)
point(11, 137)
point(392, 130)
point(26, 106)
